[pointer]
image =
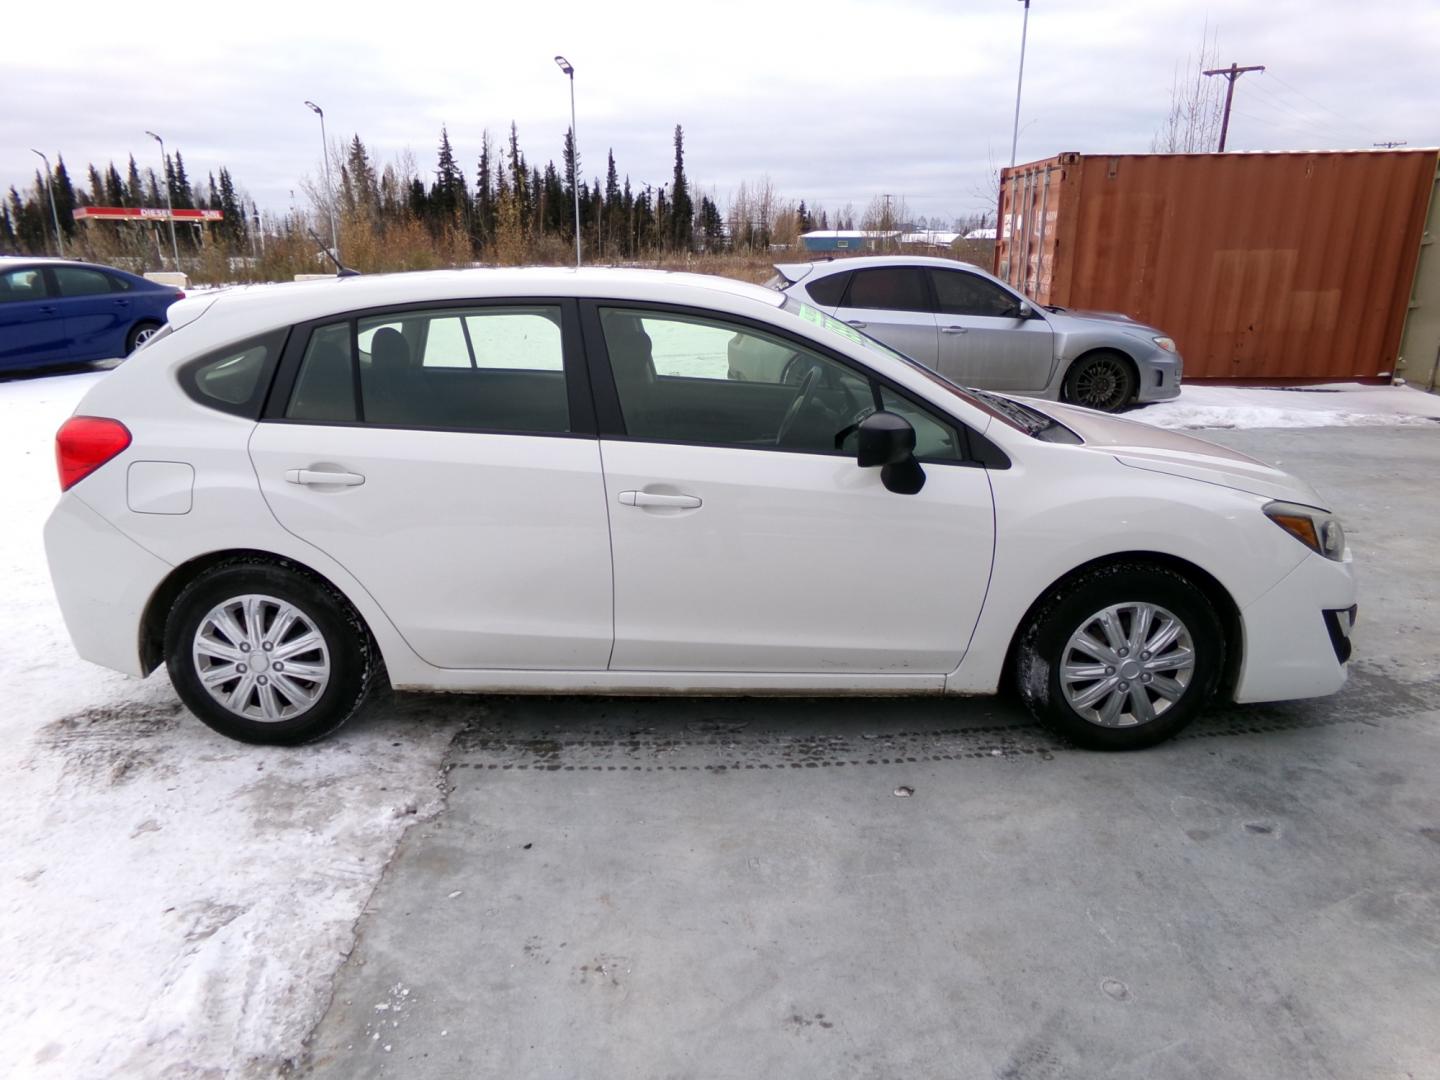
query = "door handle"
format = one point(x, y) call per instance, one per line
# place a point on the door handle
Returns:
point(954, 330)
point(650, 498)
point(856, 323)
point(122, 303)
point(321, 477)
point(47, 309)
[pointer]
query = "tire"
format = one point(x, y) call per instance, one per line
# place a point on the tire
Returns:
point(139, 333)
point(1051, 657)
point(249, 600)
point(1101, 380)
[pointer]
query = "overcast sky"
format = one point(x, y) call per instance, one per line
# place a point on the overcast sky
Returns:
point(835, 101)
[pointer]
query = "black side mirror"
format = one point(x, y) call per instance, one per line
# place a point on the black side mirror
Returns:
point(887, 440)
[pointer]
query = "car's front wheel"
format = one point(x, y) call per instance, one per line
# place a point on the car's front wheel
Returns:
point(1101, 380)
point(1121, 658)
point(264, 654)
point(140, 333)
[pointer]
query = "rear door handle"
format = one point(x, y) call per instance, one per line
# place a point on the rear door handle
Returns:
point(650, 498)
point(855, 322)
point(954, 330)
point(47, 309)
point(322, 477)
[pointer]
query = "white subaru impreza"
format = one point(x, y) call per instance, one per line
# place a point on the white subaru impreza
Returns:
point(560, 481)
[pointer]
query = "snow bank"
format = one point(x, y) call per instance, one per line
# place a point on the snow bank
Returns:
point(171, 903)
point(1334, 405)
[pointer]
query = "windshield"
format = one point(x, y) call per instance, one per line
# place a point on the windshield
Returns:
point(1021, 417)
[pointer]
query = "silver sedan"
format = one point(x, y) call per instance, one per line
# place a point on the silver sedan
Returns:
point(976, 331)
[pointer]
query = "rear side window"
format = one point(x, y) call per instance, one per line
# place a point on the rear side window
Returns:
point(234, 379)
point(78, 281)
point(828, 290)
point(478, 369)
point(890, 288)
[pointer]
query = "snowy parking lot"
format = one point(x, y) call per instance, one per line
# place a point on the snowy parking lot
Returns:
point(173, 904)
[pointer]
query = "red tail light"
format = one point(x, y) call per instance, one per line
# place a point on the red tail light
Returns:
point(84, 443)
point(179, 294)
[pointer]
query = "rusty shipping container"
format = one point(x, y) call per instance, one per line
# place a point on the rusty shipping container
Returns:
point(1283, 266)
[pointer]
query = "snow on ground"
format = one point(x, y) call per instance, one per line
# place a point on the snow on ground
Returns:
point(175, 904)
point(171, 903)
point(1333, 405)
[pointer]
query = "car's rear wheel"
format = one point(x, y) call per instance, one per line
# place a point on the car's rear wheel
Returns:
point(1121, 658)
point(140, 333)
point(267, 655)
point(1101, 380)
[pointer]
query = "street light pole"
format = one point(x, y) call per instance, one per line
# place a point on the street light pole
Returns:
point(169, 205)
point(569, 69)
point(1019, 82)
point(329, 187)
point(54, 214)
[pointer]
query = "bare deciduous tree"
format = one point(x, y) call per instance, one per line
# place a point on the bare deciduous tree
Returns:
point(1196, 104)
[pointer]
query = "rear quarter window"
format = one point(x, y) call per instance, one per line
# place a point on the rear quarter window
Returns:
point(827, 291)
point(236, 378)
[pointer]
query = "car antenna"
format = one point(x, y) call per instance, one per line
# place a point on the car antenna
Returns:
point(340, 270)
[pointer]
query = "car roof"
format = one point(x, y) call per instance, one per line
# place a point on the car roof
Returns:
point(301, 301)
point(8, 262)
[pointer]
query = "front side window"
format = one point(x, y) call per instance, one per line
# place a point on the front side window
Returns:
point(78, 281)
point(689, 379)
point(20, 285)
point(478, 369)
point(890, 288)
point(959, 293)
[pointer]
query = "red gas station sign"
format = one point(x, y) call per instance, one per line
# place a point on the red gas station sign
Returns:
point(145, 213)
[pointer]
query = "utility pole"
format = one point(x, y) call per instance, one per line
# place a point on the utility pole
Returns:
point(1391, 144)
point(1233, 72)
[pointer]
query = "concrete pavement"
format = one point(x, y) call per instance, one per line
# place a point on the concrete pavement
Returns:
point(733, 888)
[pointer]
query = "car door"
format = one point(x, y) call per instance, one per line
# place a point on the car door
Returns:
point(32, 330)
point(447, 458)
point(892, 304)
point(96, 312)
point(745, 540)
point(983, 340)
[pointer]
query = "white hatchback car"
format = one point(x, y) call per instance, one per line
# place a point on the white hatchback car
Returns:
point(547, 481)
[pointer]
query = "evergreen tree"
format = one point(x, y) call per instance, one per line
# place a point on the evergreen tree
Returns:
point(7, 229)
point(212, 196)
point(180, 191)
point(362, 191)
point(557, 212)
point(152, 189)
point(115, 194)
point(712, 225)
point(519, 179)
point(802, 218)
point(449, 200)
point(97, 187)
point(682, 213)
point(484, 221)
point(613, 212)
point(537, 224)
point(233, 225)
point(134, 188)
point(64, 198)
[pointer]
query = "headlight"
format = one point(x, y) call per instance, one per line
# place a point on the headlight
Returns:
point(1318, 530)
point(1168, 344)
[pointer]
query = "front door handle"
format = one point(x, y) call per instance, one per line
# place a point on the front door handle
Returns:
point(855, 323)
point(122, 303)
point(954, 330)
point(650, 498)
point(322, 477)
point(47, 309)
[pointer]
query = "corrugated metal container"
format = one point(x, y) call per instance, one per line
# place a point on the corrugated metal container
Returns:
point(1261, 266)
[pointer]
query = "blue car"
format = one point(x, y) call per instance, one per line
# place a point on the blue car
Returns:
point(55, 311)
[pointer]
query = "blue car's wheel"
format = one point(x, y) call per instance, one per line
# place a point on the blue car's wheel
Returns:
point(140, 333)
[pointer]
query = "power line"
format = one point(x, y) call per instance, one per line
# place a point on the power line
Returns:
point(1233, 72)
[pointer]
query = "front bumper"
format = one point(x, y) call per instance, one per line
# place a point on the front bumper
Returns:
point(1159, 376)
point(1297, 635)
point(103, 581)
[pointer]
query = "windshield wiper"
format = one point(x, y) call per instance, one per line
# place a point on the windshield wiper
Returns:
point(1031, 421)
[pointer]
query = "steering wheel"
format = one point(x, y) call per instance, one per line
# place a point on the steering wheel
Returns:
point(802, 399)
